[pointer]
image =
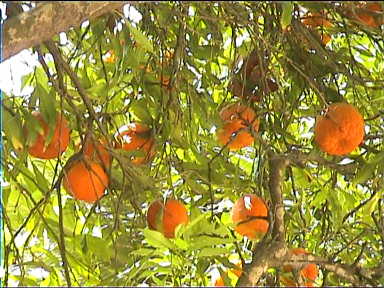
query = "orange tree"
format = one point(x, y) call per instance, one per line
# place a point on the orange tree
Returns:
point(171, 68)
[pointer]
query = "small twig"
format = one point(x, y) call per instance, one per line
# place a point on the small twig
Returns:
point(83, 94)
point(358, 207)
point(62, 240)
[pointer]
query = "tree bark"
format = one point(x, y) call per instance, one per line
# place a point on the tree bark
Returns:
point(31, 28)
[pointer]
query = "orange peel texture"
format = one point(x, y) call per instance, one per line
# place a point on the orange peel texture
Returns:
point(340, 130)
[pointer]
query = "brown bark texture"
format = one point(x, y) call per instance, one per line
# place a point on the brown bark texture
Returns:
point(31, 28)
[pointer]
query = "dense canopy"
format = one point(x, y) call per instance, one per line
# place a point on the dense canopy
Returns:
point(204, 103)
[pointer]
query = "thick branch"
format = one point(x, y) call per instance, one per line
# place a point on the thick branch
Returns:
point(31, 28)
point(277, 166)
point(270, 255)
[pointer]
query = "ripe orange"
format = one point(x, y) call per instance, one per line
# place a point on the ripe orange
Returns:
point(237, 117)
point(340, 130)
point(325, 38)
point(238, 271)
point(166, 218)
point(59, 141)
point(85, 180)
point(237, 111)
point(367, 19)
point(365, 16)
point(219, 282)
point(247, 214)
point(97, 151)
point(136, 136)
point(315, 20)
point(110, 57)
point(150, 152)
point(242, 139)
point(309, 272)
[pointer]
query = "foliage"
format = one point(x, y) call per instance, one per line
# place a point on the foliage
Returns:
point(333, 204)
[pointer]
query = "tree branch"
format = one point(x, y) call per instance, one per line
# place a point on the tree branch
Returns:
point(31, 28)
point(277, 165)
point(268, 256)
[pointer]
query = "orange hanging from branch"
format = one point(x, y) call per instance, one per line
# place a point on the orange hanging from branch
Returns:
point(340, 130)
point(58, 143)
point(85, 180)
point(250, 215)
point(165, 218)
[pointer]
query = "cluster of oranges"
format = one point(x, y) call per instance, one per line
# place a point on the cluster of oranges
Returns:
point(318, 23)
point(238, 122)
point(338, 132)
point(298, 273)
point(250, 217)
point(363, 12)
point(85, 177)
point(368, 13)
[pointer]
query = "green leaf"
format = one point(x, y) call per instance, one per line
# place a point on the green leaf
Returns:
point(140, 38)
point(33, 127)
point(206, 52)
point(209, 252)
point(145, 252)
point(370, 206)
point(206, 241)
point(47, 108)
point(156, 239)
point(364, 173)
point(41, 179)
point(286, 16)
point(100, 247)
point(140, 110)
point(13, 129)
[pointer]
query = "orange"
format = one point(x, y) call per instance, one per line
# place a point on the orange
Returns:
point(85, 180)
point(237, 111)
point(271, 85)
point(242, 139)
point(367, 19)
point(136, 136)
point(239, 90)
point(166, 218)
point(250, 63)
point(247, 214)
point(238, 271)
point(340, 130)
point(219, 282)
point(366, 16)
point(97, 151)
point(325, 38)
point(165, 79)
point(237, 117)
point(309, 272)
point(150, 152)
point(110, 57)
point(59, 141)
point(315, 20)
